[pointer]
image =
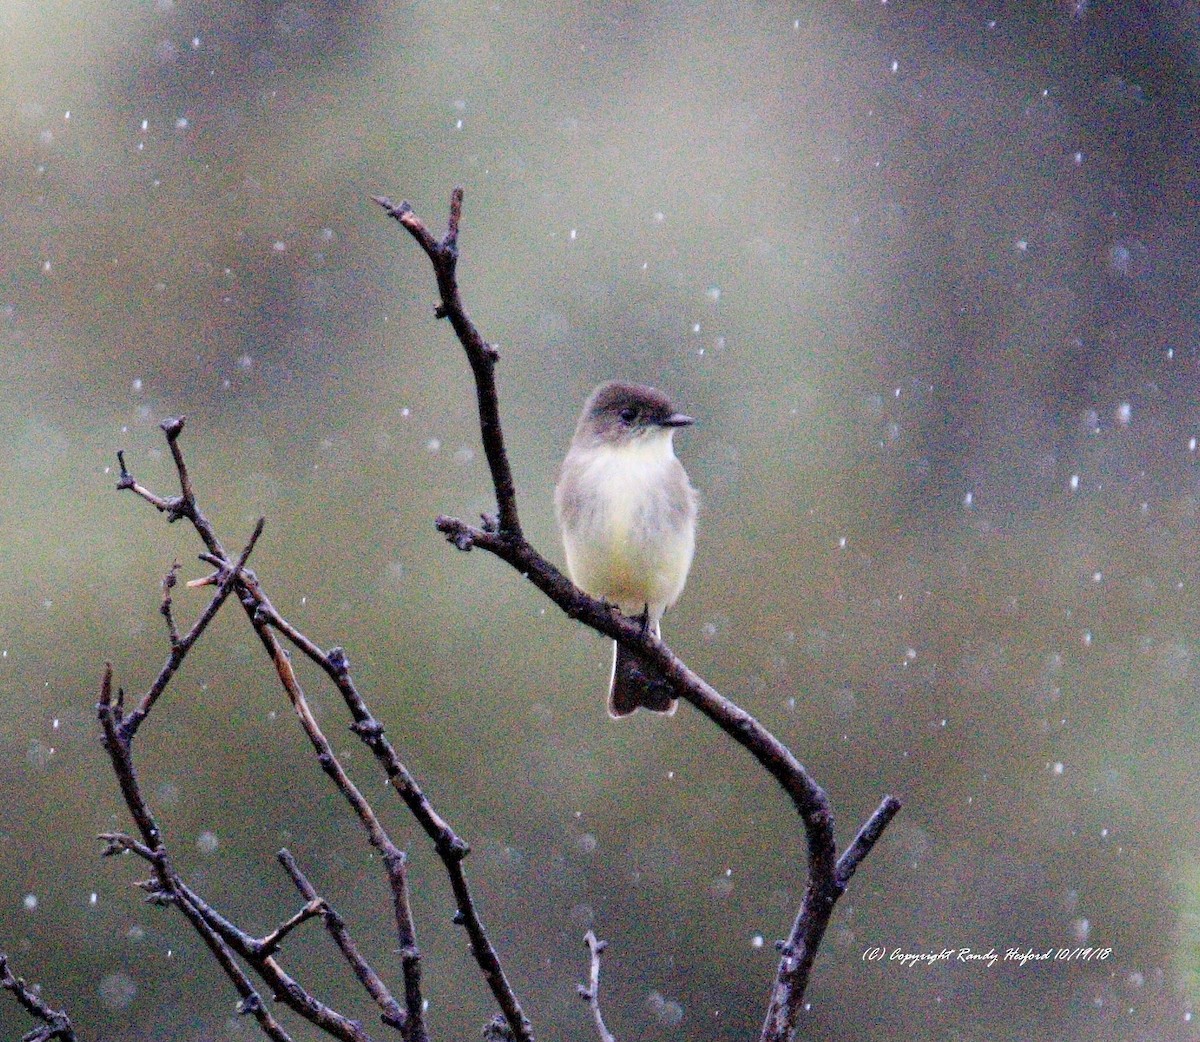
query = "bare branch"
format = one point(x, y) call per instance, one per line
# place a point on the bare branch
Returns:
point(55, 1022)
point(126, 481)
point(250, 1002)
point(590, 992)
point(220, 935)
point(394, 859)
point(272, 942)
point(266, 621)
point(828, 875)
point(449, 847)
point(119, 842)
point(175, 507)
point(392, 1013)
point(181, 645)
point(866, 839)
point(482, 356)
point(166, 883)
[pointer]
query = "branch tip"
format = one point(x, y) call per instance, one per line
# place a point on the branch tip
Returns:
point(456, 202)
point(126, 479)
point(864, 842)
point(590, 992)
point(391, 208)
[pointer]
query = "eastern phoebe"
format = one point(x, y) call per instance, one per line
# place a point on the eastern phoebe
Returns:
point(627, 513)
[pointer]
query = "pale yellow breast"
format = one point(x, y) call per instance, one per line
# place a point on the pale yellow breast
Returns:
point(631, 535)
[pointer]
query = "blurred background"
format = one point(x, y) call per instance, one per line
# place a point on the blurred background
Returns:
point(927, 276)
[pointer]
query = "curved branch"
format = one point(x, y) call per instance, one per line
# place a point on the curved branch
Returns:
point(807, 796)
point(590, 992)
point(827, 875)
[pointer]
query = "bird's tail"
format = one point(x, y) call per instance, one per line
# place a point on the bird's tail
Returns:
point(636, 685)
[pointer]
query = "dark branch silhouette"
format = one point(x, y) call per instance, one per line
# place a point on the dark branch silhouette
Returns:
point(54, 1022)
point(501, 535)
point(230, 945)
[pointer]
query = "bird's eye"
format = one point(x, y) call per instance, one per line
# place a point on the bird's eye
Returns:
point(628, 414)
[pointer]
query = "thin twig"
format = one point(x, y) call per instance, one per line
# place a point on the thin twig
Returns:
point(273, 941)
point(222, 938)
point(394, 859)
point(233, 575)
point(180, 646)
point(250, 1003)
point(393, 1014)
point(481, 355)
point(260, 954)
point(449, 846)
point(590, 992)
point(867, 837)
point(55, 1022)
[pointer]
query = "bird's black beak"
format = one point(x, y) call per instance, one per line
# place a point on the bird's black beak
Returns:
point(677, 419)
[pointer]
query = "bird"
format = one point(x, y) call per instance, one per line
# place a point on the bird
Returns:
point(627, 514)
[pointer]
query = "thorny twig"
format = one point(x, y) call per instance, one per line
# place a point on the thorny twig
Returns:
point(828, 874)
